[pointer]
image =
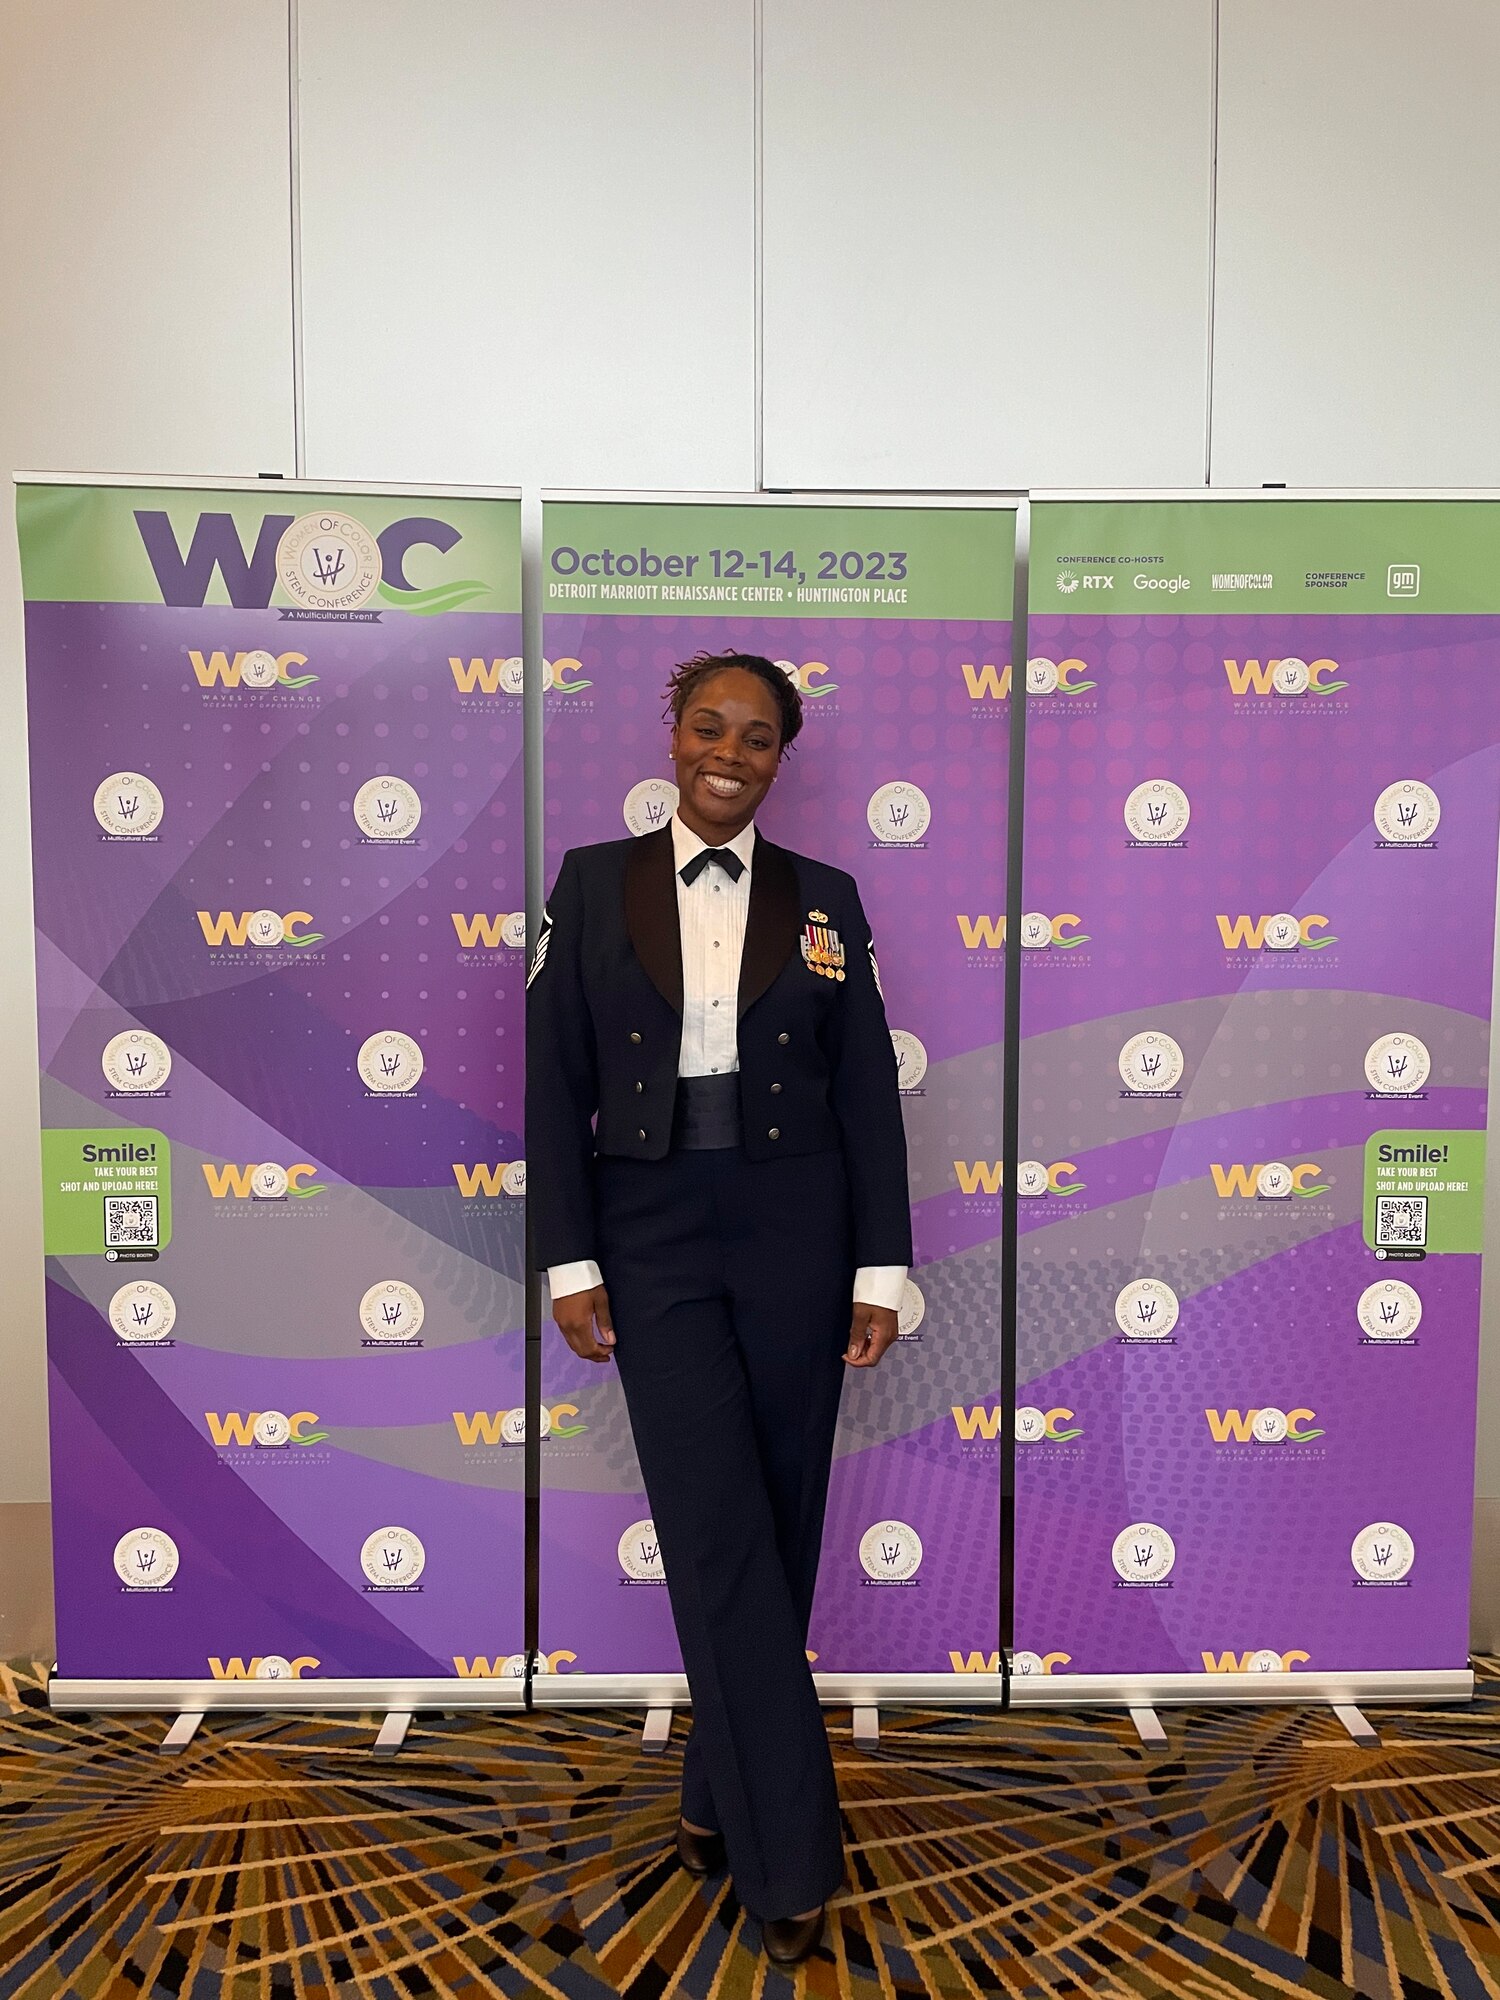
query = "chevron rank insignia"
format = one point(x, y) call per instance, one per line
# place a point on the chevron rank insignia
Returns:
point(539, 956)
point(822, 947)
point(876, 970)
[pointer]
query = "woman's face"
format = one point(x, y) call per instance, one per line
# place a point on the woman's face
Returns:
point(726, 749)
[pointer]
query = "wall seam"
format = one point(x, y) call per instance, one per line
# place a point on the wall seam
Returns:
point(759, 155)
point(1213, 246)
point(294, 166)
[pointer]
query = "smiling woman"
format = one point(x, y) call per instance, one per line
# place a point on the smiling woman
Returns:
point(718, 1196)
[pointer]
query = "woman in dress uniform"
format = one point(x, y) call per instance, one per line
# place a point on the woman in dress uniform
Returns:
point(717, 1178)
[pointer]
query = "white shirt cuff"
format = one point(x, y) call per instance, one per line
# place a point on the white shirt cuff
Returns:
point(581, 1276)
point(879, 1285)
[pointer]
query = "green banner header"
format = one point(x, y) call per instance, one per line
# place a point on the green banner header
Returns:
point(323, 554)
point(1278, 555)
point(653, 559)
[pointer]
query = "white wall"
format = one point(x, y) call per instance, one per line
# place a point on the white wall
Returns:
point(993, 246)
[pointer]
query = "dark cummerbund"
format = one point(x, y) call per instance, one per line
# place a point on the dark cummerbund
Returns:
point(706, 1114)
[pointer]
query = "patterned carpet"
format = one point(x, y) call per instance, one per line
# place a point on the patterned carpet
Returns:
point(1259, 1852)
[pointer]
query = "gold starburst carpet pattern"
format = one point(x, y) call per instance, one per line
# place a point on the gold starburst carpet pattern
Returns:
point(1041, 1854)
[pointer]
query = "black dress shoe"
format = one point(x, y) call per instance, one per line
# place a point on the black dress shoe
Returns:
point(788, 1940)
point(699, 1853)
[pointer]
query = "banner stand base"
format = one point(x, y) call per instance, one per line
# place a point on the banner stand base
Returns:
point(857, 1691)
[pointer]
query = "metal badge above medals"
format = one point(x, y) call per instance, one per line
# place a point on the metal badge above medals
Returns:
point(822, 947)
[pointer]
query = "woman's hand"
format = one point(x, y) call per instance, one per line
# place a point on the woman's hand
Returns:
point(577, 1315)
point(871, 1332)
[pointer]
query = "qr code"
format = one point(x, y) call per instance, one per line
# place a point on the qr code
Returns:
point(129, 1219)
point(1400, 1219)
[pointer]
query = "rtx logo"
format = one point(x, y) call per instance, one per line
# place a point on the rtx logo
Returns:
point(1267, 1662)
point(1287, 677)
point(1267, 1426)
point(257, 670)
point(1278, 933)
point(1271, 1181)
point(259, 930)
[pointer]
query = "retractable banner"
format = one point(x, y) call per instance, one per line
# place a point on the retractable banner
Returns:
point(1263, 786)
point(277, 815)
point(894, 622)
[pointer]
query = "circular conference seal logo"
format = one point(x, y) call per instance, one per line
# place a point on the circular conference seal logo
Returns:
point(271, 1427)
point(1274, 1181)
point(1270, 1427)
point(1157, 812)
point(1390, 1310)
point(387, 809)
point(1265, 1663)
point(513, 1426)
point(1397, 1065)
point(1041, 676)
point(259, 671)
point(328, 562)
point(513, 675)
point(269, 1182)
point(265, 928)
point(1031, 1178)
point(1151, 1063)
point(392, 1557)
point(899, 814)
point(274, 1667)
point(513, 930)
point(649, 805)
point(1406, 813)
point(392, 1310)
point(639, 1553)
point(1382, 1553)
point(142, 1312)
point(136, 1061)
point(1283, 933)
point(1036, 932)
point(1143, 1553)
point(390, 1063)
point(891, 1551)
point(127, 805)
point(911, 1058)
point(911, 1312)
point(1146, 1309)
point(146, 1559)
point(1026, 1664)
point(1291, 676)
point(513, 1180)
point(1031, 1424)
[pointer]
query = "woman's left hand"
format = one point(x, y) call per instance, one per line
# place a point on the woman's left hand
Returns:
point(871, 1332)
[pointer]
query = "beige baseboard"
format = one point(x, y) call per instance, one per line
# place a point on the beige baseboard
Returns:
point(27, 1631)
point(1484, 1599)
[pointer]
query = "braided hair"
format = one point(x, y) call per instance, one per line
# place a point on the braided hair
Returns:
point(687, 678)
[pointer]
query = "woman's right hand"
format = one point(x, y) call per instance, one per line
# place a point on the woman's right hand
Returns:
point(577, 1316)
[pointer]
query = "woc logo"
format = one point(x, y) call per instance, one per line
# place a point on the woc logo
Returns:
point(481, 676)
point(509, 1426)
point(1061, 933)
point(502, 1177)
point(992, 683)
point(249, 1427)
point(1282, 677)
point(1269, 1182)
point(988, 1177)
point(261, 1667)
point(1280, 933)
point(259, 928)
point(1267, 1662)
point(989, 1663)
point(980, 1420)
point(258, 670)
point(264, 1183)
point(491, 932)
point(501, 1667)
point(249, 579)
point(1268, 1426)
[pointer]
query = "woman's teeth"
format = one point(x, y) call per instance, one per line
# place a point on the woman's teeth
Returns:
point(724, 788)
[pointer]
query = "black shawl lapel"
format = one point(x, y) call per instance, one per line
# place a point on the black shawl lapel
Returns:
point(771, 923)
point(651, 912)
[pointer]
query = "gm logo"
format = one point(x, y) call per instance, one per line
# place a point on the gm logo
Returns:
point(258, 928)
point(1269, 1182)
point(255, 670)
point(988, 1177)
point(1268, 1426)
point(1403, 580)
point(267, 1182)
point(1267, 1662)
point(1281, 933)
point(1282, 677)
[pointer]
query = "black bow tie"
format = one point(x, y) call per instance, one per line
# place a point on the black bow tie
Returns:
point(726, 857)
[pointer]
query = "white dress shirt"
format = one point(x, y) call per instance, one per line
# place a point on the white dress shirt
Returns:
point(711, 913)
